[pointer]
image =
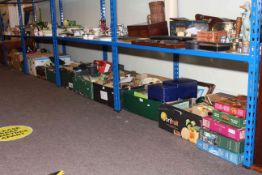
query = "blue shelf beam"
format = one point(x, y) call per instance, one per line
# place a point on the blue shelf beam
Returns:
point(55, 42)
point(22, 31)
point(200, 53)
point(253, 82)
point(80, 40)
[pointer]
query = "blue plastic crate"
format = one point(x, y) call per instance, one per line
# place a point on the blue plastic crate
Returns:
point(234, 158)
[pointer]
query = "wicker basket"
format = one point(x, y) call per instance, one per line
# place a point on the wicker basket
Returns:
point(157, 12)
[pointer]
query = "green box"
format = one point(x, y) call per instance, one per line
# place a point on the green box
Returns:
point(50, 75)
point(229, 119)
point(83, 86)
point(66, 76)
point(141, 106)
point(221, 141)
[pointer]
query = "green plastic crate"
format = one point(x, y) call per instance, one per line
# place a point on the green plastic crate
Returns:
point(83, 87)
point(141, 106)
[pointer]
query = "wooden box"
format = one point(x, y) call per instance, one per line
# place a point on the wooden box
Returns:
point(147, 30)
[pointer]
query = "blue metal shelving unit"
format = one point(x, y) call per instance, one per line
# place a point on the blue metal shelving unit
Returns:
point(253, 60)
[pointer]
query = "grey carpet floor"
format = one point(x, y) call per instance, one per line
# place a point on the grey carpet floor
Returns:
point(83, 137)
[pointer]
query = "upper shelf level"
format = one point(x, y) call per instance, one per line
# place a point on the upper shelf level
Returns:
point(121, 44)
point(22, 1)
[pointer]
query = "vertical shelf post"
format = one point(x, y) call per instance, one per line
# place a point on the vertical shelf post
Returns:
point(113, 12)
point(103, 16)
point(175, 66)
point(22, 31)
point(55, 42)
point(61, 14)
point(253, 81)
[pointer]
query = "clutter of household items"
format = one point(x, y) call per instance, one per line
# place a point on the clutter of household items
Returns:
point(204, 32)
point(187, 108)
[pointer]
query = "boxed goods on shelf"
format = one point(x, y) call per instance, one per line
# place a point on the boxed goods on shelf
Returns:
point(83, 86)
point(134, 101)
point(229, 119)
point(224, 129)
point(173, 90)
point(234, 158)
point(41, 72)
point(35, 62)
point(66, 76)
point(137, 101)
point(103, 87)
point(178, 118)
point(221, 141)
point(15, 60)
point(104, 94)
point(36, 59)
point(234, 106)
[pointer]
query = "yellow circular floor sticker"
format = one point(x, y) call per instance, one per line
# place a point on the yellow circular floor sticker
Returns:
point(11, 133)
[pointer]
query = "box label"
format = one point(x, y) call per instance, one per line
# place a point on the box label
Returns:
point(103, 95)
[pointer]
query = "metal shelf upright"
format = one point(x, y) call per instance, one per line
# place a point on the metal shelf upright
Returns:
point(22, 33)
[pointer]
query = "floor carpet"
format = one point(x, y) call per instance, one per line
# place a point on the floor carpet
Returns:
point(83, 137)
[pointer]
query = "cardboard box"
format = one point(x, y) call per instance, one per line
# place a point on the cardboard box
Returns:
point(66, 76)
point(221, 141)
point(34, 62)
point(175, 119)
point(83, 86)
point(235, 106)
point(224, 129)
point(229, 119)
point(41, 72)
point(134, 101)
point(234, 158)
point(15, 60)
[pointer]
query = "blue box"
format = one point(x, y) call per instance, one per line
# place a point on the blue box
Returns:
point(173, 90)
point(234, 158)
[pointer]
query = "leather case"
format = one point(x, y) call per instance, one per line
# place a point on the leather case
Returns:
point(173, 90)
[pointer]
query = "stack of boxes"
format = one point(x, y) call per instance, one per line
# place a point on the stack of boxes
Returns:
point(223, 133)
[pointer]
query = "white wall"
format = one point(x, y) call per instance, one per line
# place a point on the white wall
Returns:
point(135, 11)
